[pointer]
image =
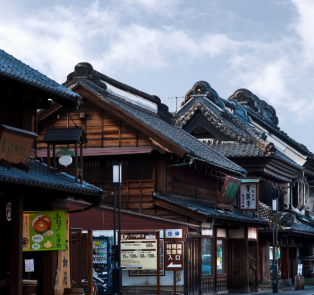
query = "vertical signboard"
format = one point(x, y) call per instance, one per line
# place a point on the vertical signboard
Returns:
point(249, 196)
point(63, 278)
point(44, 230)
point(174, 256)
point(139, 251)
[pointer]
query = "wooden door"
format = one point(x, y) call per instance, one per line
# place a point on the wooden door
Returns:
point(75, 257)
point(194, 273)
point(237, 265)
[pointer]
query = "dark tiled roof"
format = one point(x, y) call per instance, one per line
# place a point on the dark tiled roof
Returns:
point(172, 133)
point(15, 69)
point(39, 176)
point(207, 208)
point(302, 228)
point(235, 149)
point(266, 115)
point(59, 135)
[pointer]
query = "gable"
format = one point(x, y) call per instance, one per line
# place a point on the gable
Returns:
point(199, 122)
point(103, 129)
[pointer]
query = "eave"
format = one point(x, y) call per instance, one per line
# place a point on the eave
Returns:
point(268, 167)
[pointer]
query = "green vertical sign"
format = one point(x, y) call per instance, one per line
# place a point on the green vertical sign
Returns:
point(44, 230)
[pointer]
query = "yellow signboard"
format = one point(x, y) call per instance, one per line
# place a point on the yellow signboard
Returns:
point(139, 251)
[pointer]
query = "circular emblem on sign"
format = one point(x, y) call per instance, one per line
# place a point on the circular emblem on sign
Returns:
point(25, 241)
point(8, 211)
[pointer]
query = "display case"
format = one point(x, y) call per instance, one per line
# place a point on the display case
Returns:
point(102, 263)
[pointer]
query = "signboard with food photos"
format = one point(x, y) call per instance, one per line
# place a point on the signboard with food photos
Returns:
point(44, 230)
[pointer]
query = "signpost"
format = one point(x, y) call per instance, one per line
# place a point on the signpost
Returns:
point(174, 260)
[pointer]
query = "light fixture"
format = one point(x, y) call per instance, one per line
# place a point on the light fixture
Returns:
point(117, 174)
point(274, 204)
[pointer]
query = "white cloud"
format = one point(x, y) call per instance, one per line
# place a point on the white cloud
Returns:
point(304, 26)
point(54, 40)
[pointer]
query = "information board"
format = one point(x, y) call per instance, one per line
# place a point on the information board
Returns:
point(139, 251)
point(174, 256)
point(29, 265)
point(44, 230)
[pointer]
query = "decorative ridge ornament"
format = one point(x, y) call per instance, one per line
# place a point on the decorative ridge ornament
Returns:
point(260, 107)
point(85, 70)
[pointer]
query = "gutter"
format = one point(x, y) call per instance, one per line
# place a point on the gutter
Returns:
point(96, 204)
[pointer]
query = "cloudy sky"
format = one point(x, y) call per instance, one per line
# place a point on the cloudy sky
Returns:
point(164, 46)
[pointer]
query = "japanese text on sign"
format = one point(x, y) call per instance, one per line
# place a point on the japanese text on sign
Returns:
point(174, 256)
point(248, 196)
point(139, 251)
point(44, 231)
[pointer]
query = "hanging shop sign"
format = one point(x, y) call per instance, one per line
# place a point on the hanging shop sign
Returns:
point(229, 190)
point(139, 251)
point(15, 144)
point(174, 256)
point(44, 230)
point(249, 196)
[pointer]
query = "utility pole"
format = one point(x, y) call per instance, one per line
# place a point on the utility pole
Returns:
point(176, 97)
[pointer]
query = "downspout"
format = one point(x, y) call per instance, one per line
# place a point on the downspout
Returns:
point(173, 165)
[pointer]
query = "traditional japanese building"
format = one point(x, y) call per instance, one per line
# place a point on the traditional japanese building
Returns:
point(170, 179)
point(27, 185)
point(245, 129)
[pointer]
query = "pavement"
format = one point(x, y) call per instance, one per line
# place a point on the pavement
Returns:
point(308, 290)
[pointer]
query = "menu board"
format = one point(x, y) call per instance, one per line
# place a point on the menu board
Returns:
point(139, 251)
point(44, 231)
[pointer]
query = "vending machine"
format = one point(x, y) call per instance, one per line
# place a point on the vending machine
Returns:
point(103, 263)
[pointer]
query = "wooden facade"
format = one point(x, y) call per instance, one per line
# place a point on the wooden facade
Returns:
point(23, 91)
point(110, 132)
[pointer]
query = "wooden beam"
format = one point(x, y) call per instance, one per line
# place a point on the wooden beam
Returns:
point(119, 133)
point(16, 262)
point(89, 265)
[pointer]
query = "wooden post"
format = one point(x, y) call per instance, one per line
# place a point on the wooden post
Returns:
point(158, 265)
point(76, 164)
point(246, 259)
point(174, 283)
point(54, 156)
point(48, 156)
point(16, 267)
point(215, 257)
point(257, 262)
point(81, 163)
point(199, 269)
point(89, 269)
